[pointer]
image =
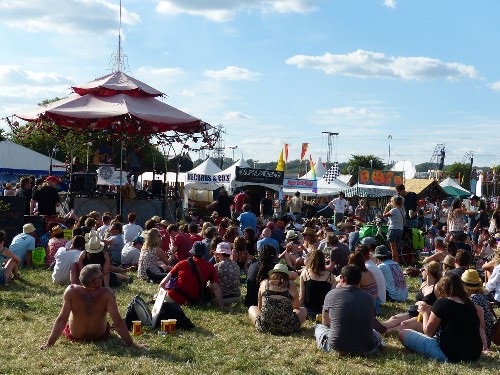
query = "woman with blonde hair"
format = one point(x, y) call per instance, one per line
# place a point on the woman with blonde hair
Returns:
point(152, 260)
point(315, 283)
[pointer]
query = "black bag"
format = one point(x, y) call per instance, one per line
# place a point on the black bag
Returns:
point(138, 310)
point(172, 310)
point(205, 295)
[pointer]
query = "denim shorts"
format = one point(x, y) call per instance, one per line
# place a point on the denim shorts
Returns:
point(395, 235)
point(425, 345)
point(322, 334)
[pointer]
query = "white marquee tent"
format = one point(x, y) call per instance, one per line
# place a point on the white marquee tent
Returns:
point(207, 168)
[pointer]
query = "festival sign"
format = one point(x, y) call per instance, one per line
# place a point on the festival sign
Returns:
point(207, 178)
point(297, 183)
point(261, 176)
point(379, 177)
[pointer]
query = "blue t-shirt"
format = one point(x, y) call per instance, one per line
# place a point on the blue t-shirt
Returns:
point(395, 282)
point(21, 244)
point(248, 219)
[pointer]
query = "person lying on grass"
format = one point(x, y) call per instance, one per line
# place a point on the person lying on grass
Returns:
point(84, 311)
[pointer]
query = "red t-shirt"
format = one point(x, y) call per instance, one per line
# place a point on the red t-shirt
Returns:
point(165, 240)
point(239, 201)
point(195, 237)
point(187, 281)
point(183, 244)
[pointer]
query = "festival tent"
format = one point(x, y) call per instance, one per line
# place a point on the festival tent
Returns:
point(370, 191)
point(17, 161)
point(453, 189)
point(207, 168)
point(406, 167)
point(319, 168)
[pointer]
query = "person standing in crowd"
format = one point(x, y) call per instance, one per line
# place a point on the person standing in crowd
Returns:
point(348, 318)
point(295, 206)
point(247, 218)
point(46, 198)
point(239, 201)
point(266, 206)
point(277, 206)
point(26, 192)
point(410, 205)
point(222, 204)
point(443, 214)
point(395, 212)
point(361, 211)
point(338, 205)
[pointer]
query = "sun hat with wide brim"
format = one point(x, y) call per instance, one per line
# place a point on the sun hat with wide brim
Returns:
point(381, 251)
point(56, 230)
point(280, 268)
point(449, 260)
point(94, 246)
point(28, 228)
point(291, 235)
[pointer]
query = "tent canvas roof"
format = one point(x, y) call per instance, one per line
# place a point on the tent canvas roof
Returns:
point(207, 167)
point(419, 185)
point(320, 170)
point(450, 182)
point(455, 192)
point(15, 156)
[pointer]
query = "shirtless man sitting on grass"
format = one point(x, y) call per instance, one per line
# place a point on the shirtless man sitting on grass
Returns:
point(84, 311)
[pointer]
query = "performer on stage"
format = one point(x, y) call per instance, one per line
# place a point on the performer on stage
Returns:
point(77, 166)
point(135, 159)
point(104, 154)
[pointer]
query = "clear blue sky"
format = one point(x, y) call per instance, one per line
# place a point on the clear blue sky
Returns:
point(280, 71)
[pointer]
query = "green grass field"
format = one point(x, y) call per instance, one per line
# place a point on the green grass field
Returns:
point(221, 343)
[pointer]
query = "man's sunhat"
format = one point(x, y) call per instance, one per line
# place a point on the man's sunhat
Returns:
point(471, 279)
point(90, 234)
point(199, 249)
point(449, 260)
point(28, 228)
point(368, 241)
point(291, 235)
point(280, 268)
point(381, 251)
point(56, 230)
point(94, 246)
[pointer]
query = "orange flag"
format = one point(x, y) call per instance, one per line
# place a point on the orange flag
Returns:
point(305, 146)
point(286, 152)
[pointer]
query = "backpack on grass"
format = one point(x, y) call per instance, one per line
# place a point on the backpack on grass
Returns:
point(417, 239)
point(138, 310)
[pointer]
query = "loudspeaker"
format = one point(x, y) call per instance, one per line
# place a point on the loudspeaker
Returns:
point(84, 183)
point(83, 206)
point(157, 188)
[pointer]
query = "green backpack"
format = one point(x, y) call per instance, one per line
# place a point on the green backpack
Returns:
point(417, 239)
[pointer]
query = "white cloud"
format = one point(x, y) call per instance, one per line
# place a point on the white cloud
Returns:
point(232, 73)
point(358, 113)
point(234, 116)
point(352, 117)
point(390, 3)
point(17, 82)
point(226, 10)
point(495, 85)
point(65, 17)
point(366, 64)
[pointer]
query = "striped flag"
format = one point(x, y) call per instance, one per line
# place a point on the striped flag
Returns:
point(332, 173)
point(286, 152)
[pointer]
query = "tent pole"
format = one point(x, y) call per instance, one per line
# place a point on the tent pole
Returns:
point(121, 176)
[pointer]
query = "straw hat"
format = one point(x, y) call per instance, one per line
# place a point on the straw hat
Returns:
point(291, 235)
point(472, 281)
point(156, 218)
point(56, 230)
point(91, 234)
point(94, 246)
point(280, 268)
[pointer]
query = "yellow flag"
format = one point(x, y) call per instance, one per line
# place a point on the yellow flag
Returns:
point(281, 163)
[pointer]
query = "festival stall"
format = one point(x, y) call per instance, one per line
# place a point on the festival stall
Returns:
point(313, 188)
point(453, 189)
point(201, 181)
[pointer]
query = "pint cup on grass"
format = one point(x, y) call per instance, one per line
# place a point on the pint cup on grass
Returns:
point(136, 327)
point(165, 325)
point(173, 323)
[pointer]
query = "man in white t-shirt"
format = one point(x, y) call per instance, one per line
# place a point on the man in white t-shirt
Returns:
point(64, 260)
point(132, 251)
point(338, 205)
point(368, 246)
point(131, 230)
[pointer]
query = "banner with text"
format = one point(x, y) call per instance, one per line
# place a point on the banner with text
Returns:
point(207, 179)
point(297, 183)
point(379, 177)
point(260, 176)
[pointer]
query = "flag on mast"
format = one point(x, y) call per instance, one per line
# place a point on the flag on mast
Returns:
point(313, 169)
point(303, 153)
point(281, 163)
point(286, 152)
